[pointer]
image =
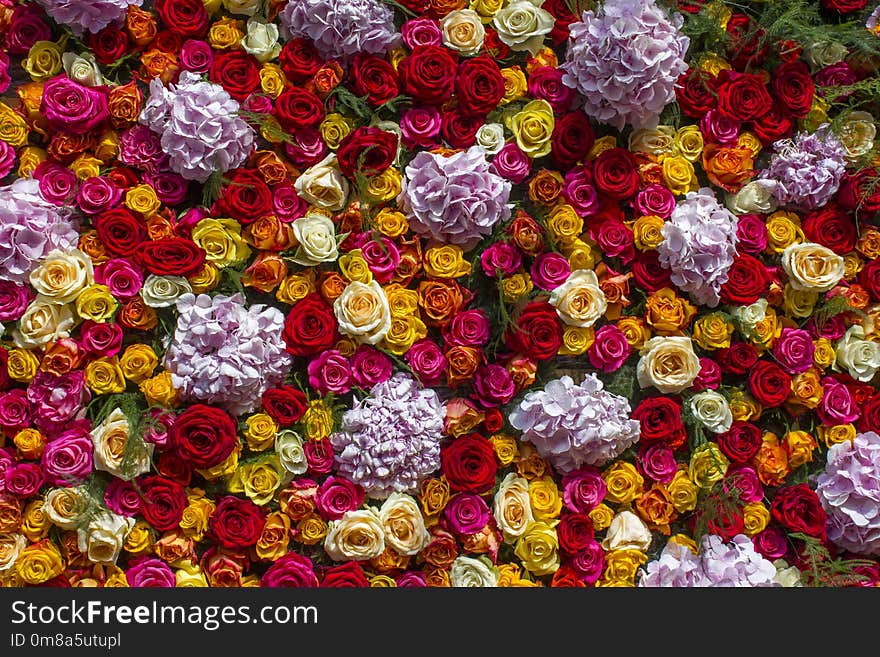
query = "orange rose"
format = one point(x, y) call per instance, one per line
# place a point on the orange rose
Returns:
point(522, 371)
point(174, 545)
point(224, 568)
point(530, 465)
point(31, 95)
point(135, 314)
point(616, 288)
point(71, 553)
point(869, 243)
point(666, 312)
point(124, 103)
point(331, 285)
point(526, 234)
point(158, 64)
point(296, 502)
point(771, 461)
point(266, 273)
point(389, 561)
point(410, 261)
point(442, 550)
point(545, 187)
point(729, 168)
point(433, 497)
point(461, 417)
point(158, 226)
point(441, 300)
point(10, 514)
point(858, 296)
point(61, 357)
point(140, 25)
point(268, 233)
point(650, 172)
point(462, 364)
point(656, 508)
point(66, 147)
point(274, 538)
point(437, 578)
point(270, 166)
point(92, 246)
point(326, 79)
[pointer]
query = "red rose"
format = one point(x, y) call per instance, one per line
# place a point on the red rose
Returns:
point(660, 421)
point(858, 193)
point(870, 417)
point(310, 327)
point(167, 41)
point(347, 575)
point(185, 17)
point(458, 129)
point(831, 226)
point(575, 531)
point(797, 509)
point(298, 108)
point(368, 151)
point(773, 125)
point(479, 85)
point(469, 464)
point(696, 93)
point(27, 25)
point(172, 467)
point(299, 60)
point(741, 442)
point(869, 278)
point(742, 96)
point(163, 502)
point(747, 281)
point(537, 333)
point(564, 18)
point(615, 174)
point(769, 383)
point(120, 231)
point(428, 74)
point(566, 577)
point(236, 523)
point(171, 256)
point(844, 6)
point(237, 72)
point(494, 46)
point(726, 523)
point(285, 405)
point(793, 87)
point(374, 78)
point(746, 46)
point(572, 139)
point(108, 45)
point(738, 358)
point(245, 198)
point(203, 436)
point(648, 273)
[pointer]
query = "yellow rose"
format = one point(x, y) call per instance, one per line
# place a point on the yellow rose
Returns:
point(334, 128)
point(689, 142)
point(545, 499)
point(836, 434)
point(30, 443)
point(258, 480)
point(139, 539)
point(105, 151)
point(601, 516)
point(260, 432)
point(750, 141)
point(446, 261)
point(274, 538)
point(221, 240)
point(296, 287)
point(516, 286)
point(486, 8)
point(138, 362)
point(384, 187)
point(194, 521)
point(515, 84)
point(104, 376)
point(635, 330)
point(682, 491)
point(86, 166)
point(226, 33)
point(744, 407)
point(824, 353)
point(142, 199)
point(272, 80)
point(14, 131)
point(538, 549)
point(35, 522)
point(580, 254)
point(852, 265)
point(564, 223)
point(404, 331)
point(624, 482)
point(390, 223)
point(29, 157)
point(224, 469)
point(190, 576)
point(353, 266)
point(806, 388)
point(318, 420)
point(755, 518)
point(576, 340)
point(623, 565)
point(505, 448)
point(601, 145)
point(96, 303)
point(686, 541)
point(206, 279)
point(21, 365)
point(39, 562)
point(799, 445)
point(679, 175)
point(766, 330)
point(159, 390)
point(783, 229)
point(798, 303)
point(646, 231)
point(532, 128)
point(713, 331)
point(311, 530)
point(43, 61)
point(707, 465)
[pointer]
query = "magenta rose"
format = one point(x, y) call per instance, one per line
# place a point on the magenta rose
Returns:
point(196, 56)
point(369, 366)
point(466, 513)
point(511, 163)
point(287, 204)
point(837, 406)
point(583, 490)
point(580, 193)
point(655, 200)
point(330, 372)
point(745, 480)
point(794, 350)
point(7, 152)
point(23, 479)
point(657, 462)
point(97, 194)
point(122, 277)
point(58, 184)
point(549, 270)
point(16, 410)
point(319, 456)
point(709, 377)
point(493, 386)
point(609, 350)
point(771, 543)
point(420, 127)
point(101, 338)
point(14, 300)
point(290, 571)
point(411, 579)
point(68, 459)
point(421, 32)
point(500, 260)
point(72, 107)
point(170, 188)
point(382, 256)
point(469, 329)
point(719, 129)
point(123, 498)
point(427, 361)
point(150, 572)
point(751, 234)
point(56, 399)
point(589, 562)
point(336, 496)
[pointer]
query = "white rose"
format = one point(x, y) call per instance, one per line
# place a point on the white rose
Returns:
point(356, 536)
point(110, 439)
point(750, 316)
point(858, 356)
point(362, 312)
point(289, 447)
point(83, 68)
point(522, 25)
point(60, 277)
point(43, 322)
point(404, 524)
point(323, 185)
point(471, 572)
point(512, 507)
point(490, 137)
point(463, 31)
point(66, 507)
point(627, 532)
point(812, 267)
point(753, 197)
point(11, 545)
point(316, 235)
point(242, 7)
point(261, 40)
point(787, 576)
point(712, 410)
point(164, 291)
point(579, 301)
point(102, 539)
point(668, 363)
point(825, 53)
point(857, 134)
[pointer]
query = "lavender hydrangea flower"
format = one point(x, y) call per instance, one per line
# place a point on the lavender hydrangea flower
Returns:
point(572, 425)
point(226, 354)
point(625, 59)
point(390, 440)
point(341, 28)
point(806, 171)
point(849, 491)
point(455, 199)
point(699, 246)
point(30, 228)
point(199, 125)
point(719, 564)
point(88, 15)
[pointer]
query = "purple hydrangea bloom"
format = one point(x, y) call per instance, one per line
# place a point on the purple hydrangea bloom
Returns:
point(719, 564)
point(849, 490)
point(699, 246)
point(30, 227)
point(390, 440)
point(456, 199)
point(199, 126)
point(341, 28)
point(226, 354)
point(88, 15)
point(625, 59)
point(806, 171)
point(572, 425)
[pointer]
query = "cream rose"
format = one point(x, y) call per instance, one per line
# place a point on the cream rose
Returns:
point(316, 235)
point(756, 196)
point(163, 291)
point(787, 576)
point(472, 572)
point(362, 312)
point(812, 267)
point(522, 25)
point(11, 546)
point(858, 356)
point(61, 276)
point(512, 507)
point(857, 134)
point(750, 316)
point(579, 301)
point(242, 7)
point(289, 447)
point(712, 411)
point(653, 140)
point(668, 363)
point(43, 322)
point(103, 537)
point(66, 507)
point(83, 68)
point(403, 524)
point(463, 31)
point(627, 532)
point(261, 40)
point(356, 536)
point(490, 137)
point(323, 185)
point(110, 439)
point(825, 53)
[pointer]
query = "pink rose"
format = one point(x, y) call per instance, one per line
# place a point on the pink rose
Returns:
point(609, 349)
point(101, 338)
point(838, 406)
point(68, 459)
point(420, 127)
point(330, 372)
point(15, 410)
point(122, 497)
point(656, 200)
point(469, 328)
point(23, 479)
point(98, 194)
point(336, 496)
point(370, 366)
point(427, 361)
point(14, 299)
point(794, 350)
point(501, 259)
point(72, 107)
point(58, 184)
point(493, 386)
point(657, 462)
point(549, 270)
point(122, 277)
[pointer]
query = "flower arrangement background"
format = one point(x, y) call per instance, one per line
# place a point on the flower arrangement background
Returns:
point(439, 293)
